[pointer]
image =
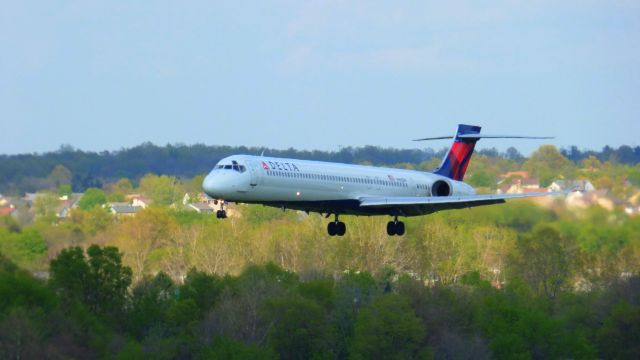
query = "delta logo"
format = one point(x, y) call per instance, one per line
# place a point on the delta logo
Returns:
point(282, 166)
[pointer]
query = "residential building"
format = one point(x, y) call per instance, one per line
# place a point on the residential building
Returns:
point(572, 185)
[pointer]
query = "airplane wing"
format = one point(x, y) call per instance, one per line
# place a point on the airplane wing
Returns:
point(422, 205)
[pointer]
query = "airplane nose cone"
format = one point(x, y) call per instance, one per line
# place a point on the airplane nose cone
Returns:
point(211, 186)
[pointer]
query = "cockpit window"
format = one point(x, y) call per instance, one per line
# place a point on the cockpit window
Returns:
point(235, 166)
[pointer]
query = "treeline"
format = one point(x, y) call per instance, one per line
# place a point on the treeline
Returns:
point(29, 172)
point(89, 309)
point(32, 172)
point(623, 155)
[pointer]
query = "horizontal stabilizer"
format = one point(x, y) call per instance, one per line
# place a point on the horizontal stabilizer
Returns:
point(478, 136)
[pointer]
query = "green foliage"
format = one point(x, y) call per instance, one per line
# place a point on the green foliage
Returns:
point(387, 329)
point(266, 312)
point(60, 176)
point(150, 300)
point(9, 223)
point(261, 214)
point(64, 189)
point(100, 281)
point(547, 163)
point(481, 179)
point(634, 175)
point(618, 336)
point(162, 190)
point(225, 348)
point(92, 197)
point(299, 328)
point(45, 204)
point(204, 289)
point(542, 260)
point(18, 289)
point(322, 291)
point(26, 248)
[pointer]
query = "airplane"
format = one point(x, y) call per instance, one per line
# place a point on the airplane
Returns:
point(334, 188)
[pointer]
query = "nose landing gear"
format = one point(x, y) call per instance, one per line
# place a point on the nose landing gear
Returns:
point(395, 227)
point(336, 228)
point(221, 214)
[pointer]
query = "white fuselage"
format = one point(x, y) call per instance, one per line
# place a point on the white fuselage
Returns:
point(317, 186)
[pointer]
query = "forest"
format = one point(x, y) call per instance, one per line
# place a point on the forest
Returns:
point(525, 280)
point(507, 281)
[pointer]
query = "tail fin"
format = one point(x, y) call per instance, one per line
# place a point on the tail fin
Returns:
point(455, 163)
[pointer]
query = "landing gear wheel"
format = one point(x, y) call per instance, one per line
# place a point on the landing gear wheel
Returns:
point(221, 214)
point(331, 228)
point(399, 228)
point(395, 228)
point(391, 228)
point(341, 228)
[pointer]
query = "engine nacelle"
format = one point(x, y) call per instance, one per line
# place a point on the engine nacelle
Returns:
point(440, 188)
point(451, 188)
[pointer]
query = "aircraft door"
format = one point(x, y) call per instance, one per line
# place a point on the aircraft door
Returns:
point(253, 173)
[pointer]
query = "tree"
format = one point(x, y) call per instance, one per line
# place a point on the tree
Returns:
point(225, 348)
point(92, 197)
point(481, 179)
point(64, 190)
point(150, 301)
point(591, 163)
point(162, 190)
point(60, 175)
point(27, 248)
point(99, 281)
point(513, 154)
point(299, 328)
point(387, 329)
point(138, 236)
point(541, 259)
point(45, 205)
point(618, 336)
point(124, 186)
point(547, 163)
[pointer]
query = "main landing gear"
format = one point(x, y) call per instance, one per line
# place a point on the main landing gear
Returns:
point(395, 227)
point(336, 227)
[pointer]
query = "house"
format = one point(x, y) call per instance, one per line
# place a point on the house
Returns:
point(67, 203)
point(3, 201)
point(29, 198)
point(6, 207)
point(519, 182)
point(7, 210)
point(632, 210)
point(572, 185)
point(202, 208)
point(138, 200)
point(579, 199)
point(124, 209)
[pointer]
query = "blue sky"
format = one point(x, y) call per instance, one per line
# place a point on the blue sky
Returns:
point(102, 75)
